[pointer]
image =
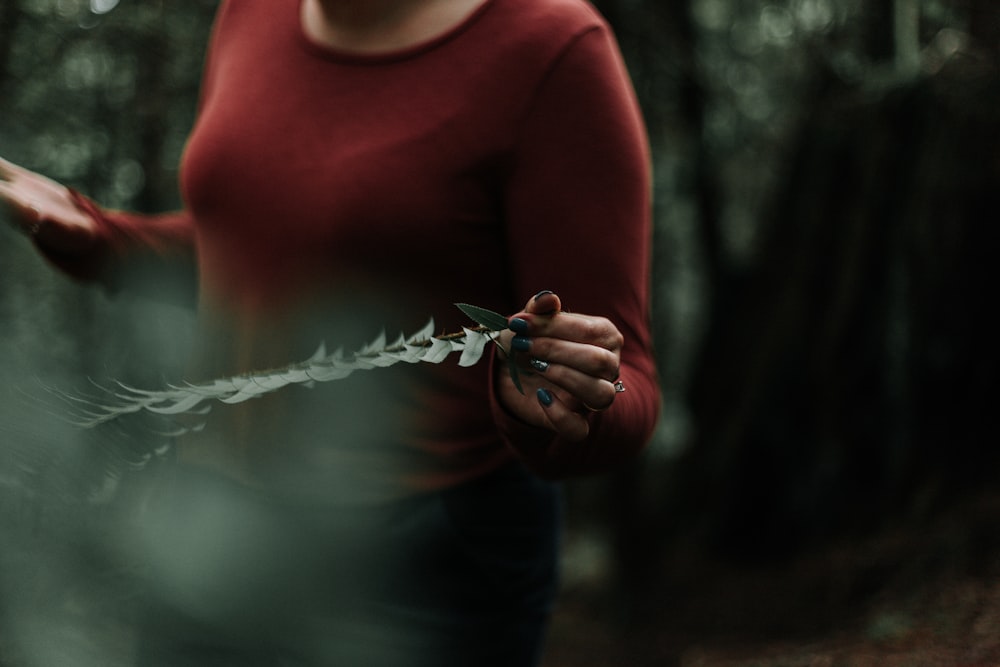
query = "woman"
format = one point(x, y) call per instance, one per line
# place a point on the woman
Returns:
point(360, 164)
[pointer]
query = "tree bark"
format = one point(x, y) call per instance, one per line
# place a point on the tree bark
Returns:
point(10, 19)
point(984, 25)
point(849, 374)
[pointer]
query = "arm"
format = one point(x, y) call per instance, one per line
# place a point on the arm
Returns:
point(90, 243)
point(579, 223)
point(93, 244)
point(151, 254)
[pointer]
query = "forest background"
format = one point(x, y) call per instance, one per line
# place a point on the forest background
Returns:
point(821, 489)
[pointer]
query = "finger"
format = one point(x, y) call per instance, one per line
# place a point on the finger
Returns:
point(590, 360)
point(589, 392)
point(597, 331)
point(561, 417)
point(10, 171)
point(25, 210)
point(544, 303)
point(10, 193)
point(539, 308)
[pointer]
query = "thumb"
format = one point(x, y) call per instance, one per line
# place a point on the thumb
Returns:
point(543, 303)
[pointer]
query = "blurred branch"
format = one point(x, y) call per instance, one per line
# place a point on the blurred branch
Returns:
point(693, 109)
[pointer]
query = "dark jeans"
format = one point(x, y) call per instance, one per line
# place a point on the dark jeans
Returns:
point(462, 577)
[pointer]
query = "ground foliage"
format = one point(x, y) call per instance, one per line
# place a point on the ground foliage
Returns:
point(923, 594)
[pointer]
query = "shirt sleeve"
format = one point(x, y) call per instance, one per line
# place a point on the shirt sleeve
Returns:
point(578, 209)
point(130, 248)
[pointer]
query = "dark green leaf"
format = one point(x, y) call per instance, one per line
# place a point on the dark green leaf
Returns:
point(487, 318)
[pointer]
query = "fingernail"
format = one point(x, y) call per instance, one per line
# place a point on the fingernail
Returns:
point(539, 365)
point(543, 293)
point(519, 325)
point(521, 343)
point(544, 397)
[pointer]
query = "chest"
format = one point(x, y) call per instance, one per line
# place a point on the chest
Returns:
point(337, 158)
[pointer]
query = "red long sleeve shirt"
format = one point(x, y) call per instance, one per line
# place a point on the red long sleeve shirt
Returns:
point(329, 194)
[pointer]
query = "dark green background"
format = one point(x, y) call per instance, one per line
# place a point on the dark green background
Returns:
point(827, 181)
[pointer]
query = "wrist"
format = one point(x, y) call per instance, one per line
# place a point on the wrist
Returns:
point(78, 235)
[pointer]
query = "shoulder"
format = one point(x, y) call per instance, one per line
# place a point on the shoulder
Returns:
point(531, 35)
point(568, 14)
point(552, 22)
point(269, 14)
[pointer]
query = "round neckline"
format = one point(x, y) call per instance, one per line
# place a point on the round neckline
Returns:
point(348, 56)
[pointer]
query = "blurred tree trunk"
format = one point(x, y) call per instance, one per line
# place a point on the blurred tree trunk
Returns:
point(877, 33)
point(10, 18)
point(984, 25)
point(153, 63)
point(906, 36)
point(851, 376)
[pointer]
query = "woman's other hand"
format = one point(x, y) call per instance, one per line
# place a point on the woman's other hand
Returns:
point(568, 366)
point(45, 210)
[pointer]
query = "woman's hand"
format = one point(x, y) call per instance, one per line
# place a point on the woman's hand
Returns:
point(44, 209)
point(567, 364)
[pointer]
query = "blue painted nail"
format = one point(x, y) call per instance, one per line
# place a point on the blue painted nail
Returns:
point(518, 325)
point(544, 397)
point(539, 365)
point(543, 293)
point(521, 343)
